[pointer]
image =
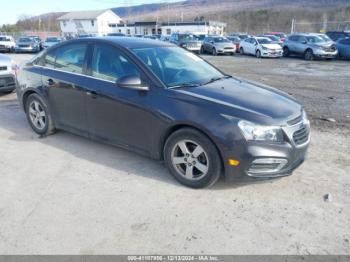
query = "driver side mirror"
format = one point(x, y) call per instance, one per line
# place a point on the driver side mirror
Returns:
point(132, 82)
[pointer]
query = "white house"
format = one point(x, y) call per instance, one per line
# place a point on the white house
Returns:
point(200, 27)
point(88, 22)
point(152, 28)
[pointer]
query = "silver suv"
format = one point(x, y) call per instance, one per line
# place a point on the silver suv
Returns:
point(310, 46)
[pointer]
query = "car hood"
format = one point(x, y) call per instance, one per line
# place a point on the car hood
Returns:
point(254, 102)
point(5, 60)
point(6, 43)
point(272, 46)
point(325, 44)
point(223, 45)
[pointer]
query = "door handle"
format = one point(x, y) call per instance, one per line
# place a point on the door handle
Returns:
point(50, 82)
point(92, 94)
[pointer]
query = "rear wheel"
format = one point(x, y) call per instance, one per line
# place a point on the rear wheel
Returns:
point(192, 158)
point(38, 115)
point(309, 55)
point(286, 52)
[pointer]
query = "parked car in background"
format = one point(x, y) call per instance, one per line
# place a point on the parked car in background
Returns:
point(187, 41)
point(241, 36)
point(260, 47)
point(200, 37)
point(164, 38)
point(343, 46)
point(336, 35)
point(27, 44)
point(115, 34)
point(7, 43)
point(154, 37)
point(281, 35)
point(165, 103)
point(51, 41)
point(216, 45)
point(7, 74)
point(39, 40)
point(309, 46)
point(236, 41)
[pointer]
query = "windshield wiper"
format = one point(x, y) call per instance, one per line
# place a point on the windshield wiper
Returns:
point(214, 79)
point(184, 85)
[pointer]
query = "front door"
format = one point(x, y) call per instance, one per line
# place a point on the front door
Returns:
point(118, 115)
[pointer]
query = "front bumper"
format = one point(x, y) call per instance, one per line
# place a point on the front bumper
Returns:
point(193, 49)
point(273, 54)
point(226, 51)
point(256, 158)
point(7, 82)
point(5, 48)
point(25, 49)
point(325, 54)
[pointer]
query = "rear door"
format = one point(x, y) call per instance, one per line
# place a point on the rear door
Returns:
point(65, 84)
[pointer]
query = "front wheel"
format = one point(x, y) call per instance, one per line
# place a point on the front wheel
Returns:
point(38, 115)
point(241, 50)
point(309, 55)
point(286, 51)
point(214, 53)
point(192, 158)
point(202, 50)
point(258, 54)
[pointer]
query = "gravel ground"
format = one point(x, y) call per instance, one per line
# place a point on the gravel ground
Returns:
point(67, 195)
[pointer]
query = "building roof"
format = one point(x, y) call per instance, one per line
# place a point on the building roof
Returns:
point(82, 15)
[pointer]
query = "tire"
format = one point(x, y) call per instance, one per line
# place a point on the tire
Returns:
point(286, 52)
point(39, 116)
point(202, 50)
point(258, 54)
point(309, 55)
point(241, 50)
point(195, 169)
point(214, 53)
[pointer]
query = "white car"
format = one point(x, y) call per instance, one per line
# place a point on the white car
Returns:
point(7, 74)
point(260, 47)
point(7, 43)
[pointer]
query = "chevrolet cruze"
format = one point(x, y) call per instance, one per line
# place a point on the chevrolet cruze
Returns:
point(164, 102)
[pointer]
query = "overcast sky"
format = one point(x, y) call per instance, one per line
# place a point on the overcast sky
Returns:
point(11, 10)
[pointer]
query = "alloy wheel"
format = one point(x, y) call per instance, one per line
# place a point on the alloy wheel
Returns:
point(37, 115)
point(190, 160)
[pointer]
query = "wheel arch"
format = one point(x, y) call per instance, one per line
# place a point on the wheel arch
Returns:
point(25, 96)
point(180, 126)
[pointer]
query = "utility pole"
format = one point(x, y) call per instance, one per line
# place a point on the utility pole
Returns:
point(292, 28)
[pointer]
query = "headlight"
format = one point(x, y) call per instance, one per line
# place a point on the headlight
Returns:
point(263, 47)
point(255, 132)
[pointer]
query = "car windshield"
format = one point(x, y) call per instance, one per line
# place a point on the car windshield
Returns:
point(53, 39)
point(221, 40)
point(25, 39)
point(188, 37)
point(273, 38)
point(325, 38)
point(5, 39)
point(177, 67)
point(314, 39)
point(263, 41)
point(200, 37)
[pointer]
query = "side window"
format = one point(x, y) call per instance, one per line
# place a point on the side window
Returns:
point(49, 59)
point(70, 58)
point(109, 64)
point(302, 39)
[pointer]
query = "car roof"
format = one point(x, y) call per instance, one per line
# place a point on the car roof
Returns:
point(127, 42)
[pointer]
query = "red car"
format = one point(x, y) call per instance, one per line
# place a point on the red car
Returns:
point(281, 35)
point(236, 41)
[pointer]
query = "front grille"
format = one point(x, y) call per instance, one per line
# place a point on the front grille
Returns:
point(295, 120)
point(2, 46)
point(228, 48)
point(23, 45)
point(301, 136)
point(3, 68)
point(330, 49)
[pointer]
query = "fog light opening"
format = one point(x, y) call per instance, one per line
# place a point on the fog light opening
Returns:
point(267, 165)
